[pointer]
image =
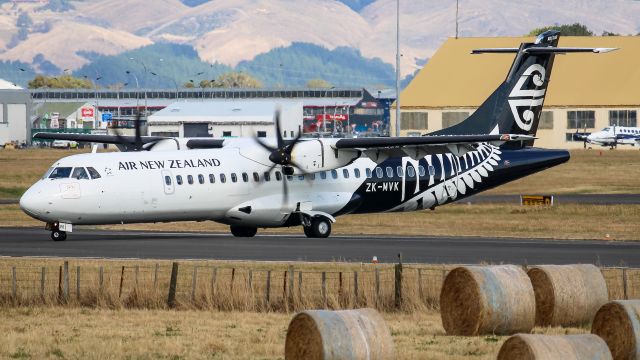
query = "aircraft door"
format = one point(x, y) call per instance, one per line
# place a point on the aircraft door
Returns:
point(168, 182)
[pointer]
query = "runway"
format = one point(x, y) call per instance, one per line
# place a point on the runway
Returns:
point(427, 249)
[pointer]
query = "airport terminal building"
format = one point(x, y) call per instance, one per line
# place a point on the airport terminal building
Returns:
point(15, 107)
point(587, 92)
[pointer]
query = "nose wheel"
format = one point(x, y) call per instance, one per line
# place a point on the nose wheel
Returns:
point(319, 227)
point(58, 235)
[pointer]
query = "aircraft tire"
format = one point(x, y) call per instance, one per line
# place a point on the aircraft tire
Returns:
point(320, 227)
point(243, 231)
point(58, 235)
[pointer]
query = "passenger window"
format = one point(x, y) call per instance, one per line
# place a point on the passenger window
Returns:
point(411, 172)
point(289, 177)
point(201, 178)
point(300, 177)
point(267, 176)
point(179, 179)
point(190, 179)
point(94, 174)
point(245, 177)
point(223, 178)
point(345, 173)
point(167, 180)
point(432, 170)
point(389, 171)
point(256, 177)
point(234, 177)
point(379, 173)
point(312, 176)
point(421, 170)
point(334, 174)
point(212, 178)
point(60, 173)
point(368, 172)
point(80, 173)
point(400, 171)
point(323, 175)
point(278, 175)
point(356, 173)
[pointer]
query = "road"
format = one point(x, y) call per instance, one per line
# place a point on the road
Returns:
point(427, 249)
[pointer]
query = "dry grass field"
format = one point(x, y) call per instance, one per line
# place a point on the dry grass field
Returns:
point(82, 333)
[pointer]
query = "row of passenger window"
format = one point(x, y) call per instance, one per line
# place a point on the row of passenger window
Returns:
point(233, 177)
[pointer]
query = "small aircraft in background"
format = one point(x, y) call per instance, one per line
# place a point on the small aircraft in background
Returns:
point(612, 136)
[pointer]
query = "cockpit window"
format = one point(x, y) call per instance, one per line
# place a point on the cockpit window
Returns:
point(60, 173)
point(46, 175)
point(80, 174)
point(94, 173)
point(606, 129)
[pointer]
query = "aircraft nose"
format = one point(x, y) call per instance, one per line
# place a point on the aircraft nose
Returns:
point(31, 203)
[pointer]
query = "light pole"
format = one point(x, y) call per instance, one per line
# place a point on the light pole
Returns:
point(145, 90)
point(324, 109)
point(137, 91)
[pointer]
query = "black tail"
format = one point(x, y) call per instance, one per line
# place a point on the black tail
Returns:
point(515, 106)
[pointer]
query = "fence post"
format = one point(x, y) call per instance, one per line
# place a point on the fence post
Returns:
point(355, 287)
point(284, 291)
point(14, 283)
point(251, 281)
point(194, 282)
point(233, 276)
point(420, 292)
point(324, 290)
point(43, 275)
point(171, 300)
point(340, 291)
point(78, 282)
point(377, 286)
point(101, 279)
point(625, 289)
point(300, 286)
point(291, 281)
point(398, 282)
point(60, 296)
point(137, 272)
point(155, 277)
point(268, 290)
point(214, 274)
point(121, 282)
point(65, 281)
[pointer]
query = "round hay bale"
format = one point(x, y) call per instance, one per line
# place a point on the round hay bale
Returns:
point(479, 300)
point(567, 295)
point(345, 334)
point(618, 323)
point(549, 347)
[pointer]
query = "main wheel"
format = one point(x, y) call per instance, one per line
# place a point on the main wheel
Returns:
point(320, 228)
point(58, 235)
point(243, 231)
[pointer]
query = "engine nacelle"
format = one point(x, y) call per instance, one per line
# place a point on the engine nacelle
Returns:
point(320, 155)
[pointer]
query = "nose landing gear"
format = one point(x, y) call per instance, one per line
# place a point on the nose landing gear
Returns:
point(56, 233)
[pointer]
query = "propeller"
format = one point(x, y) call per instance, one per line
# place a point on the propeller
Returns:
point(281, 156)
point(137, 144)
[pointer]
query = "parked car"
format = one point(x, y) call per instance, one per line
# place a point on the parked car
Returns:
point(64, 144)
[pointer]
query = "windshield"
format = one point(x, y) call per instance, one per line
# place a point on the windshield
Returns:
point(60, 173)
point(46, 174)
point(80, 174)
point(606, 129)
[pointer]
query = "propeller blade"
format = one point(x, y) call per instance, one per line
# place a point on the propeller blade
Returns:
point(264, 145)
point(285, 192)
point(279, 138)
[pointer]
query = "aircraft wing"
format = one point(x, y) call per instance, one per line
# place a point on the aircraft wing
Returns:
point(419, 146)
point(95, 138)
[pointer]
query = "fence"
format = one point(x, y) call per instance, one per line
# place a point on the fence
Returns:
point(244, 288)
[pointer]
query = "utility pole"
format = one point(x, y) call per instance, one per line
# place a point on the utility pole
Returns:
point(457, 11)
point(397, 67)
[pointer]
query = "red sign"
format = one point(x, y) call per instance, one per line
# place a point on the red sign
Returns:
point(338, 117)
point(87, 112)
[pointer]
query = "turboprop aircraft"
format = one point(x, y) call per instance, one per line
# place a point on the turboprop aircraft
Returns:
point(252, 183)
point(613, 136)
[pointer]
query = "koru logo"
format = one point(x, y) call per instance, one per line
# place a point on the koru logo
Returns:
point(522, 97)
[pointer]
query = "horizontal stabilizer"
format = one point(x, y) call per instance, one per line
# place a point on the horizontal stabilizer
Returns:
point(543, 50)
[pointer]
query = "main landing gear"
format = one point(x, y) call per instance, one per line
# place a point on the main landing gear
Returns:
point(243, 231)
point(317, 227)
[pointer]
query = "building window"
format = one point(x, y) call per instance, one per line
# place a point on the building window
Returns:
point(226, 134)
point(546, 120)
point(450, 118)
point(581, 119)
point(414, 120)
point(262, 134)
point(626, 118)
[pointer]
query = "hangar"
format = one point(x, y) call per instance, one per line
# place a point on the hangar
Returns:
point(587, 92)
point(15, 107)
point(226, 118)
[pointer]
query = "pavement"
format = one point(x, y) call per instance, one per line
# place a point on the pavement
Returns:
point(424, 249)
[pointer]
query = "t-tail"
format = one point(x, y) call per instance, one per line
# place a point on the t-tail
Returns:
point(515, 106)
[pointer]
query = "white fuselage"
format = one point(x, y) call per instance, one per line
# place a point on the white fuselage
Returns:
point(614, 135)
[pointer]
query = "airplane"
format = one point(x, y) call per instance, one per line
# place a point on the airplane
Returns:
point(612, 136)
point(251, 183)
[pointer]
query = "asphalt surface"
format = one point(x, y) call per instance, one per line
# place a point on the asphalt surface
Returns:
point(467, 250)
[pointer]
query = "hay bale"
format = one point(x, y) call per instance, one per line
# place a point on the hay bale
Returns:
point(567, 295)
point(618, 323)
point(345, 334)
point(479, 300)
point(549, 347)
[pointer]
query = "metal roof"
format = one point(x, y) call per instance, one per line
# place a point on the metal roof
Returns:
point(454, 77)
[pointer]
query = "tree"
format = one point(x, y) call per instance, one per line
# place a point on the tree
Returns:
point(237, 79)
point(576, 29)
point(60, 82)
point(609, 33)
point(318, 84)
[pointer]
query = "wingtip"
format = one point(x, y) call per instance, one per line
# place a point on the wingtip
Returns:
point(604, 50)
